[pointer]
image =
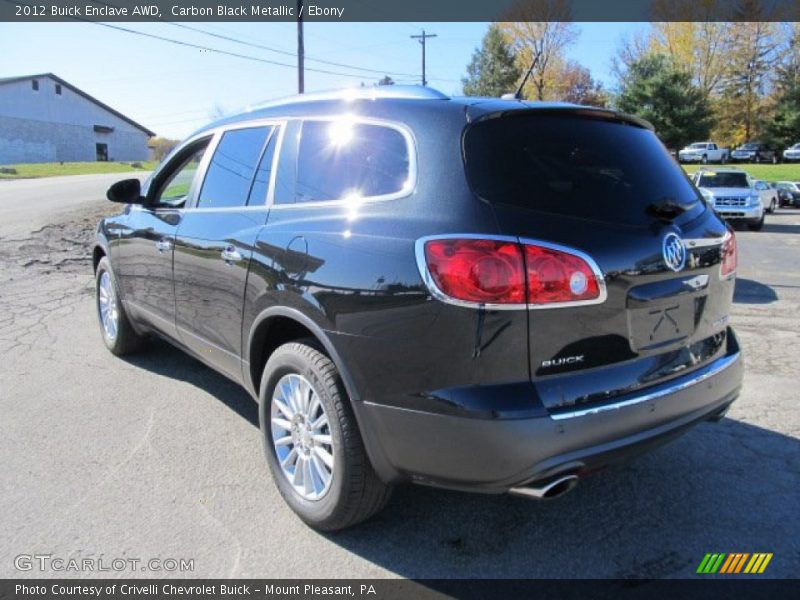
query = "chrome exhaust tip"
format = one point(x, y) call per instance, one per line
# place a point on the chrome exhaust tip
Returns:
point(552, 489)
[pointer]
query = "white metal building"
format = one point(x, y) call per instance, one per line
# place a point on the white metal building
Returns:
point(45, 119)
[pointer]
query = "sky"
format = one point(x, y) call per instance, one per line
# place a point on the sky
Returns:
point(174, 89)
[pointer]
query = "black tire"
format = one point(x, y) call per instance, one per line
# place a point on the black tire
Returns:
point(126, 340)
point(773, 206)
point(756, 226)
point(705, 159)
point(356, 492)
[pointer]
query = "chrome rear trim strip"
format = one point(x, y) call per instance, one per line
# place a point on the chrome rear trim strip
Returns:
point(713, 369)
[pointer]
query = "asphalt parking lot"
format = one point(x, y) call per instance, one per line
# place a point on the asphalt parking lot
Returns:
point(157, 456)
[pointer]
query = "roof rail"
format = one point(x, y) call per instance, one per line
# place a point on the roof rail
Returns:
point(377, 92)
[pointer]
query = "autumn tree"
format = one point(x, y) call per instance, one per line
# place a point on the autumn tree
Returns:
point(742, 99)
point(543, 29)
point(703, 49)
point(576, 85)
point(492, 71)
point(160, 147)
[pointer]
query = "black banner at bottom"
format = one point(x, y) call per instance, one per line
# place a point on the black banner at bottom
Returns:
point(389, 589)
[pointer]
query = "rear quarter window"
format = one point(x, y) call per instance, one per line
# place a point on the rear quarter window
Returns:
point(575, 165)
point(337, 159)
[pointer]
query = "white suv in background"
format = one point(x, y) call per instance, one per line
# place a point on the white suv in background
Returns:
point(733, 195)
point(768, 195)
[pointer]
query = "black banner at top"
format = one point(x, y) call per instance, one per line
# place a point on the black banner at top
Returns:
point(400, 10)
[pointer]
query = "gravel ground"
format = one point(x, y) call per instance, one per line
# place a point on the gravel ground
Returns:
point(157, 456)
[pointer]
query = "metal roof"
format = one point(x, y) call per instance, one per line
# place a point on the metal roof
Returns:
point(80, 92)
point(378, 92)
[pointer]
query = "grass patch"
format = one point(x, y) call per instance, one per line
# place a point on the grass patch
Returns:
point(31, 170)
point(782, 172)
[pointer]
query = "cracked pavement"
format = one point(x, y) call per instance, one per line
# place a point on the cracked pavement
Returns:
point(158, 456)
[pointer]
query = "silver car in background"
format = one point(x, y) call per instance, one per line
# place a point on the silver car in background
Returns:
point(768, 195)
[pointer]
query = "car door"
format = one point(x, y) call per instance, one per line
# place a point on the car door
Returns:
point(215, 240)
point(144, 261)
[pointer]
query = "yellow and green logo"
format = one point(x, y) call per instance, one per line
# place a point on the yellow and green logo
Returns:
point(734, 562)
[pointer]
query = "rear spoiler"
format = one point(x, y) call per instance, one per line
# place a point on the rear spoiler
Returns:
point(531, 109)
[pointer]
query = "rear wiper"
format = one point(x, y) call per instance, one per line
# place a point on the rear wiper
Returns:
point(668, 209)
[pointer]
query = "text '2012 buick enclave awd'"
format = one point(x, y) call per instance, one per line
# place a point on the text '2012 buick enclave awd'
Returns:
point(477, 294)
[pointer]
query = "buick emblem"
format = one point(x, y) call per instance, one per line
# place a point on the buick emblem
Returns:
point(674, 252)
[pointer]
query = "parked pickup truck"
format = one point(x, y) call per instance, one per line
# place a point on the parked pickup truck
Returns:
point(792, 153)
point(703, 152)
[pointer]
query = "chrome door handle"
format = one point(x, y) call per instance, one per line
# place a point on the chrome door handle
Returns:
point(231, 255)
point(164, 245)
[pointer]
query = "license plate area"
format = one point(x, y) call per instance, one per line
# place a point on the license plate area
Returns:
point(667, 323)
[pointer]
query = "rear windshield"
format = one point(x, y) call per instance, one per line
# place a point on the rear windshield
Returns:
point(574, 165)
point(723, 180)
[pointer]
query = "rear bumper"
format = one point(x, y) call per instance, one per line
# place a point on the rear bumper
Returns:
point(493, 455)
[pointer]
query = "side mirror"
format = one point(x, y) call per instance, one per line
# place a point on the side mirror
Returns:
point(127, 191)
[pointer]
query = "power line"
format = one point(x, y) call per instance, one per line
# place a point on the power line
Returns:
point(216, 50)
point(271, 49)
point(287, 53)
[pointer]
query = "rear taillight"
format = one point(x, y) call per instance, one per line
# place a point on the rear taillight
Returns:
point(508, 273)
point(556, 276)
point(729, 255)
point(477, 270)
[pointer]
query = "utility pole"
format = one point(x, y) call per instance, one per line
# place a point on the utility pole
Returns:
point(301, 51)
point(422, 39)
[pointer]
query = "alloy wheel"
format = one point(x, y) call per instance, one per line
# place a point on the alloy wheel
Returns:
point(107, 307)
point(301, 436)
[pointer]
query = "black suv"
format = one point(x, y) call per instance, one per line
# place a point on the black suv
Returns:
point(755, 152)
point(478, 294)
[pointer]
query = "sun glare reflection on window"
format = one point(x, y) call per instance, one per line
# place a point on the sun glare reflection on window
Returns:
point(341, 132)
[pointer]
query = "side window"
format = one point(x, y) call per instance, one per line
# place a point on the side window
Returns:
point(230, 173)
point(174, 190)
point(258, 193)
point(337, 159)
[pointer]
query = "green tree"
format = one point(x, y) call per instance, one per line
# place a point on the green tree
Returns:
point(782, 127)
point(492, 71)
point(655, 89)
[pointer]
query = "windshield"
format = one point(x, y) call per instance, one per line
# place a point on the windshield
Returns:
point(699, 145)
point(748, 147)
point(575, 165)
point(723, 180)
point(796, 147)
